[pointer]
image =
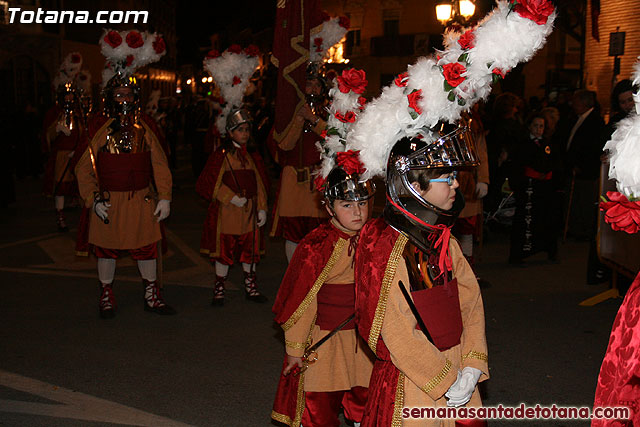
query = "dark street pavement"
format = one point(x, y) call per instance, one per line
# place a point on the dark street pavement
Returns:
point(61, 365)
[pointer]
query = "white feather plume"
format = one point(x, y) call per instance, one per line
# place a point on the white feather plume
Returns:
point(331, 32)
point(124, 59)
point(69, 69)
point(502, 40)
point(231, 73)
point(624, 149)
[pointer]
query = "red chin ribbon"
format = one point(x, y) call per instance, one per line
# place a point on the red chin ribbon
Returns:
point(442, 242)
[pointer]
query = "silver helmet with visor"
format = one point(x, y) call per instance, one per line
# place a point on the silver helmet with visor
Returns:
point(343, 186)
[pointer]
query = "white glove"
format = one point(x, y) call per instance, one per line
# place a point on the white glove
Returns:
point(101, 208)
point(460, 391)
point(481, 189)
point(239, 201)
point(262, 218)
point(62, 128)
point(162, 209)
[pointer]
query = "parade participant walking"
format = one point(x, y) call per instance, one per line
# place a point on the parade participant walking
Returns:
point(234, 180)
point(418, 303)
point(123, 174)
point(315, 304)
point(298, 207)
point(64, 130)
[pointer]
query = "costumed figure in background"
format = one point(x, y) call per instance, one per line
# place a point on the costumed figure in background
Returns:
point(123, 174)
point(86, 97)
point(64, 129)
point(532, 181)
point(618, 382)
point(474, 185)
point(233, 180)
point(418, 303)
point(327, 365)
point(298, 208)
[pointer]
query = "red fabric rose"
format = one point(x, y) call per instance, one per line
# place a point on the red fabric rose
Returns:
point(498, 72)
point(113, 39)
point(536, 10)
point(362, 101)
point(402, 79)
point(325, 16)
point(319, 183)
point(352, 80)
point(252, 50)
point(235, 48)
point(236, 80)
point(323, 134)
point(317, 42)
point(620, 213)
point(467, 40)
point(350, 162)
point(213, 53)
point(129, 60)
point(134, 39)
point(349, 117)
point(159, 46)
point(344, 22)
point(75, 58)
point(414, 97)
point(452, 73)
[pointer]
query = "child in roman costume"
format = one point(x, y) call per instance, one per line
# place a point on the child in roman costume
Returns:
point(418, 303)
point(316, 299)
point(234, 180)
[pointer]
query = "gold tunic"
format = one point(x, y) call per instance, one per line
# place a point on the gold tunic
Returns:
point(131, 220)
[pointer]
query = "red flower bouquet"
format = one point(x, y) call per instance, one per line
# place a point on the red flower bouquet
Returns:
point(352, 80)
point(134, 39)
point(621, 213)
point(452, 73)
point(536, 10)
point(350, 162)
point(113, 39)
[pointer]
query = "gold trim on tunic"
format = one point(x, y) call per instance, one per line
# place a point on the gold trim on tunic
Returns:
point(433, 383)
point(476, 355)
point(398, 405)
point(390, 272)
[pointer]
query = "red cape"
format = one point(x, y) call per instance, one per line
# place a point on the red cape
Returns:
point(619, 379)
point(313, 259)
point(379, 251)
point(208, 183)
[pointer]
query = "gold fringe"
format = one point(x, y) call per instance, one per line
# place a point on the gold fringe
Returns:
point(398, 405)
point(438, 378)
point(476, 355)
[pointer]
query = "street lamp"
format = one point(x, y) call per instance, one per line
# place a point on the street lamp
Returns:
point(458, 10)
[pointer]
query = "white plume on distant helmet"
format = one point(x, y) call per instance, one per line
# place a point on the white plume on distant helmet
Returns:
point(325, 36)
point(126, 51)
point(69, 69)
point(624, 148)
point(440, 88)
point(231, 72)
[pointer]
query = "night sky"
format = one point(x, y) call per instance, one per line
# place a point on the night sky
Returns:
point(194, 24)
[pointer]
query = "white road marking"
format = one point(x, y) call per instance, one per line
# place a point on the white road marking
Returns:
point(74, 405)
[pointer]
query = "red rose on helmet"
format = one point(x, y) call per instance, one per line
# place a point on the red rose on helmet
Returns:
point(452, 73)
point(325, 16)
point(319, 183)
point(402, 79)
point(620, 213)
point(362, 101)
point(352, 80)
point(317, 42)
point(213, 53)
point(159, 46)
point(113, 39)
point(536, 10)
point(498, 72)
point(134, 39)
point(236, 80)
point(129, 60)
point(235, 48)
point(75, 58)
point(414, 97)
point(252, 50)
point(323, 134)
point(350, 162)
point(467, 40)
point(344, 22)
point(348, 117)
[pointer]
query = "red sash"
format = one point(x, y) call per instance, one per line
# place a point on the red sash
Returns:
point(532, 173)
point(439, 308)
point(335, 304)
point(246, 180)
point(124, 172)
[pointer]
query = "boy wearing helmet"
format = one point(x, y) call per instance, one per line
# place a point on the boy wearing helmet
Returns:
point(317, 300)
